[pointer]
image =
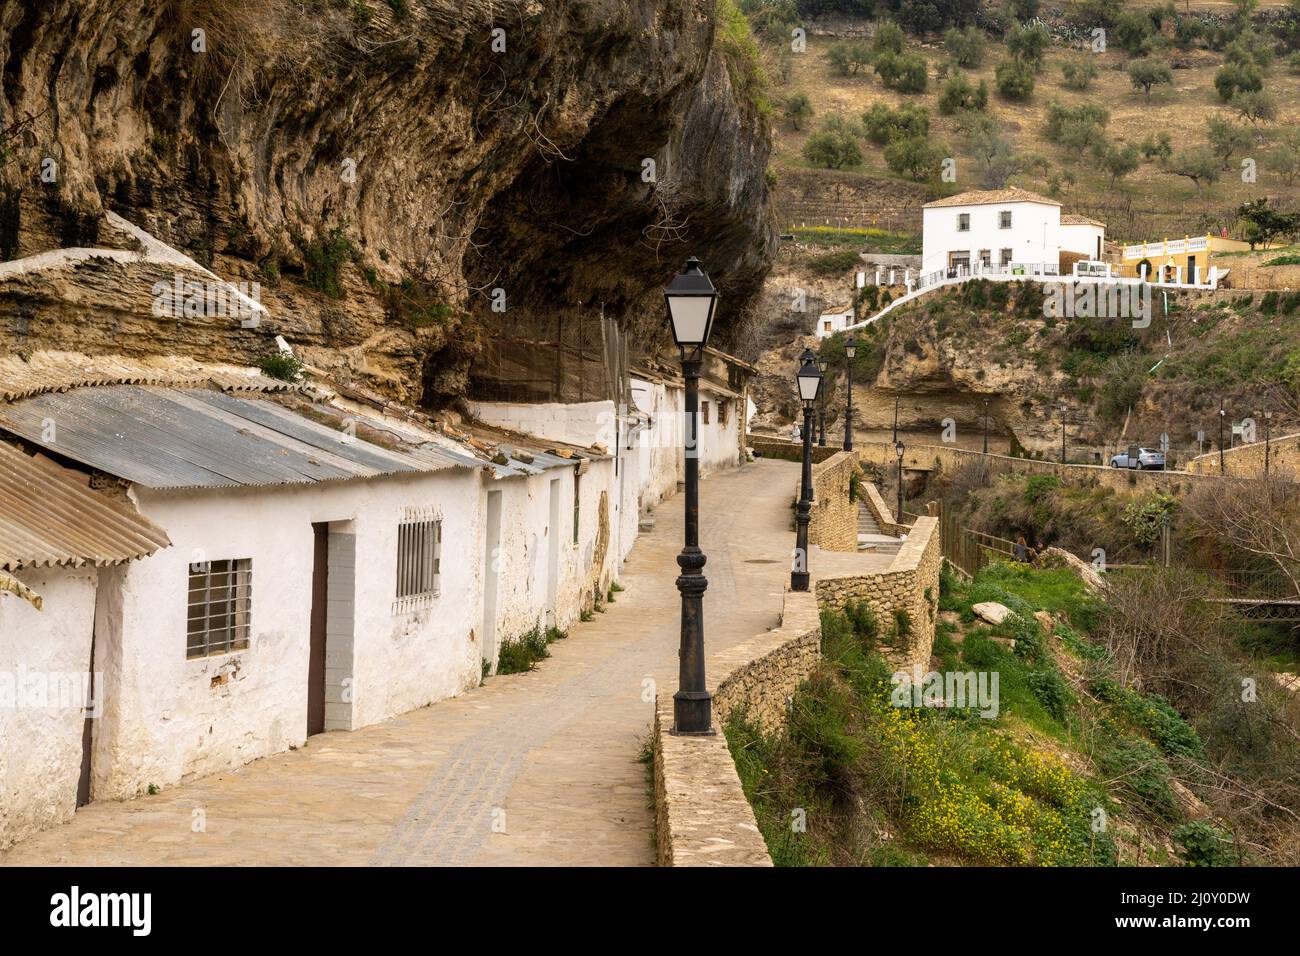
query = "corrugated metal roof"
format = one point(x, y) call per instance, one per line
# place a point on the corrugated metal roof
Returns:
point(48, 518)
point(191, 438)
point(61, 371)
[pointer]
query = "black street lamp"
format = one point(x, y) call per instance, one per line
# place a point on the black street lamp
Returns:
point(809, 378)
point(898, 450)
point(850, 350)
point(1222, 414)
point(986, 426)
point(821, 407)
point(1268, 421)
point(692, 301)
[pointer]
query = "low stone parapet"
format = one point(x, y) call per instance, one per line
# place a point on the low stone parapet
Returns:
point(702, 817)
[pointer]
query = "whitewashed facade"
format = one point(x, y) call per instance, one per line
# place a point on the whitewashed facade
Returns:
point(1001, 229)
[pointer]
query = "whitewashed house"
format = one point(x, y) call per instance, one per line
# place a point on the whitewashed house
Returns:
point(834, 321)
point(57, 538)
point(1083, 236)
point(1002, 230)
point(288, 561)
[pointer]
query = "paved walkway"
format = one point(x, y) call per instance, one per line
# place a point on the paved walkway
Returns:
point(530, 769)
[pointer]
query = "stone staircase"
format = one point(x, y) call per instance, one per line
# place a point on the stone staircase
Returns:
point(870, 537)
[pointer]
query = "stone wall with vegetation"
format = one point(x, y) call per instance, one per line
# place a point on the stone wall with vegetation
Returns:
point(904, 597)
point(1246, 461)
point(702, 817)
point(834, 524)
point(943, 458)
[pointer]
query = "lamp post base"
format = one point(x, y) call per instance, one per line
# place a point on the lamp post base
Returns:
point(693, 714)
point(798, 580)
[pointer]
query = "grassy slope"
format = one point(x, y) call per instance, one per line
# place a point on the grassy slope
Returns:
point(1074, 770)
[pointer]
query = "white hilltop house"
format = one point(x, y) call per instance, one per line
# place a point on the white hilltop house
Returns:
point(1003, 230)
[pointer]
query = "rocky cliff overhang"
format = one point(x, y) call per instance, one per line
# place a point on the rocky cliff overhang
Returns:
point(380, 168)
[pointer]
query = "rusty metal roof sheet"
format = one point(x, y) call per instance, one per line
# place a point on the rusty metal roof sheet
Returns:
point(200, 438)
point(48, 518)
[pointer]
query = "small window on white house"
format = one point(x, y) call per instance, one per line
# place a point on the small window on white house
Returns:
point(963, 222)
point(419, 558)
point(826, 326)
point(722, 413)
point(1006, 257)
point(704, 412)
point(220, 604)
point(1004, 219)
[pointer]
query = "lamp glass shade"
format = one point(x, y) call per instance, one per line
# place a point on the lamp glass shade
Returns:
point(809, 378)
point(898, 450)
point(850, 348)
point(691, 302)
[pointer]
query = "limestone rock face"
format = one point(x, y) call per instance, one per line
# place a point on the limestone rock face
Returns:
point(381, 169)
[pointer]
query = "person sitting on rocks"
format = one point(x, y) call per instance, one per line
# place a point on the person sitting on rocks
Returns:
point(1020, 551)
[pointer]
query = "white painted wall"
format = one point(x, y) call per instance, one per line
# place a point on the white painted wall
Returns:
point(1083, 238)
point(523, 560)
point(1034, 235)
point(40, 746)
point(576, 423)
point(829, 323)
point(167, 718)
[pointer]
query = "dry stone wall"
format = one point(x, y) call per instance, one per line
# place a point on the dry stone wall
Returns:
point(834, 524)
point(910, 584)
point(943, 458)
point(702, 817)
point(1247, 461)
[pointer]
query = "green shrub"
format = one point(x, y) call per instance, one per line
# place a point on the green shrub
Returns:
point(833, 263)
point(966, 46)
point(281, 366)
point(1014, 80)
point(1078, 75)
point(1201, 844)
point(521, 654)
point(883, 125)
point(960, 94)
point(324, 259)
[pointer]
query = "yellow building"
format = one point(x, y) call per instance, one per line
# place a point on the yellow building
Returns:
point(1187, 261)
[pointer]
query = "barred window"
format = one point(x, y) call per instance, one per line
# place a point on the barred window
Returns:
point(963, 222)
point(1004, 219)
point(220, 604)
point(419, 558)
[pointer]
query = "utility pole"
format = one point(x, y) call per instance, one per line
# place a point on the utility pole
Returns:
point(1222, 414)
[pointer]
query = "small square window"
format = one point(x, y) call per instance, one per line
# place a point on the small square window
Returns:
point(963, 222)
point(219, 607)
point(419, 558)
point(1006, 257)
point(1004, 219)
point(704, 412)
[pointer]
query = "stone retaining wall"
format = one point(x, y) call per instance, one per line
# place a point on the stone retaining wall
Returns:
point(765, 446)
point(1247, 461)
point(834, 524)
point(944, 458)
point(910, 583)
point(880, 511)
point(702, 817)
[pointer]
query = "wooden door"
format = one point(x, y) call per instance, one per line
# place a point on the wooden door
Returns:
point(316, 655)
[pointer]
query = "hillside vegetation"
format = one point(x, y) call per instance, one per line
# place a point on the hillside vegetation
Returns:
point(1087, 762)
point(1148, 134)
